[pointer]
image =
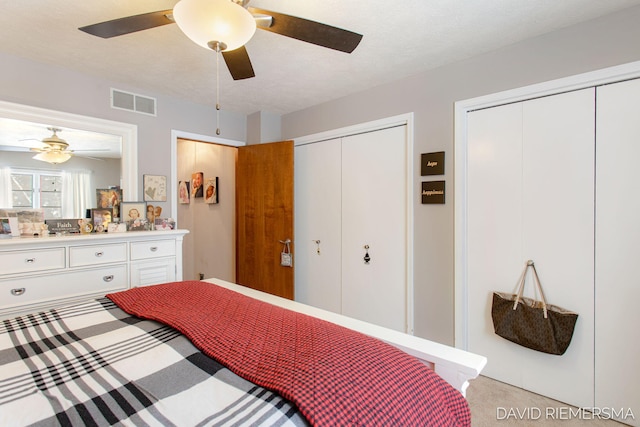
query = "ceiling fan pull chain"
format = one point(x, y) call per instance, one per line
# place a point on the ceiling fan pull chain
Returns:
point(218, 89)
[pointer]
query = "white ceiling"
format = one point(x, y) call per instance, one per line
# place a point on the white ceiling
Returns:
point(401, 38)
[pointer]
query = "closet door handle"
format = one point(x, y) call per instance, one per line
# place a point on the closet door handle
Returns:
point(367, 258)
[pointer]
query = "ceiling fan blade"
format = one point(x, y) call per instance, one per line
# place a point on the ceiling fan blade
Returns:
point(16, 148)
point(310, 31)
point(88, 157)
point(129, 24)
point(239, 64)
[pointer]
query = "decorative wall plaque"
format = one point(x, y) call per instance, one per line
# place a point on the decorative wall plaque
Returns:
point(433, 192)
point(432, 163)
point(155, 188)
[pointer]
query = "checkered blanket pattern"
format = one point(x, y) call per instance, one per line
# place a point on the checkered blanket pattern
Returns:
point(334, 375)
point(92, 364)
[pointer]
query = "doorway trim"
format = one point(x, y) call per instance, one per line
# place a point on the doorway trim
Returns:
point(399, 120)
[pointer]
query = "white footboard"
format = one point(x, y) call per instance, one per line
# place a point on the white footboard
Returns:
point(456, 366)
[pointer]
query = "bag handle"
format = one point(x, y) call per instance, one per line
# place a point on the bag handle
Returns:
point(536, 280)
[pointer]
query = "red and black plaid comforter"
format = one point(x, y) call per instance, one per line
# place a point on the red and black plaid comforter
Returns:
point(334, 375)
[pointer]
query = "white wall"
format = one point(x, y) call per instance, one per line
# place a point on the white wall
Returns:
point(263, 126)
point(600, 43)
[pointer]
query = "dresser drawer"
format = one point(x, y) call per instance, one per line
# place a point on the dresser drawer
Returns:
point(32, 261)
point(15, 292)
point(97, 254)
point(153, 249)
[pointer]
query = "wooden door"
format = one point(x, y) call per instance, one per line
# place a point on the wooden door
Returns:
point(264, 216)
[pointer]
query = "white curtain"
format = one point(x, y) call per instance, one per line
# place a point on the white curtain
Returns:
point(6, 199)
point(77, 193)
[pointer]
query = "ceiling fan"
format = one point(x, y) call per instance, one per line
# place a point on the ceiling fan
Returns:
point(226, 25)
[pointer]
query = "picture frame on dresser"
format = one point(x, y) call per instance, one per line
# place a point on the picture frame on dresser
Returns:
point(5, 228)
point(101, 218)
point(134, 214)
point(109, 198)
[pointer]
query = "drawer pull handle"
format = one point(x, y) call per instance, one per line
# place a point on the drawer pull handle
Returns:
point(99, 254)
point(30, 260)
point(153, 248)
point(18, 291)
point(108, 278)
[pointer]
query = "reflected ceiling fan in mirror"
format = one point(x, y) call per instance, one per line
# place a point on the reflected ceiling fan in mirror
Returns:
point(226, 26)
point(55, 150)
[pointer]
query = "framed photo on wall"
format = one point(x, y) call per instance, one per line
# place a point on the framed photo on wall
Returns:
point(197, 179)
point(183, 192)
point(155, 188)
point(211, 190)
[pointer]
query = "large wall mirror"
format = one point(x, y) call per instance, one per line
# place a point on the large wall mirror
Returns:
point(107, 147)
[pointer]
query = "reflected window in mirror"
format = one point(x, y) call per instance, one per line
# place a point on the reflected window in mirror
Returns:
point(38, 189)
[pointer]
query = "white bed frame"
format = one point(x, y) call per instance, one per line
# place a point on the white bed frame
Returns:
point(455, 366)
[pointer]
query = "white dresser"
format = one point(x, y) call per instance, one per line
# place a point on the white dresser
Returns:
point(43, 272)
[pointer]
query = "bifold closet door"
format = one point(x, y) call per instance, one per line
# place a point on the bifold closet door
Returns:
point(530, 196)
point(318, 259)
point(374, 183)
point(617, 236)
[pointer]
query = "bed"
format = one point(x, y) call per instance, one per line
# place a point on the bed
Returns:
point(214, 353)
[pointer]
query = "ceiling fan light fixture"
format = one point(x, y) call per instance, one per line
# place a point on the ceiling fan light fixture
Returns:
point(53, 157)
point(221, 21)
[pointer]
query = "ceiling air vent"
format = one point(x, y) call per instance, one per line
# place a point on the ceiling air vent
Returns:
point(132, 102)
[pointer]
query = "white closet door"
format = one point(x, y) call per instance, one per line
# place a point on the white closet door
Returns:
point(374, 214)
point(494, 230)
point(530, 196)
point(617, 237)
point(317, 178)
point(558, 234)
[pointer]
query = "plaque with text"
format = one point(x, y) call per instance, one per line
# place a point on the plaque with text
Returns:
point(63, 225)
point(433, 193)
point(432, 163)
